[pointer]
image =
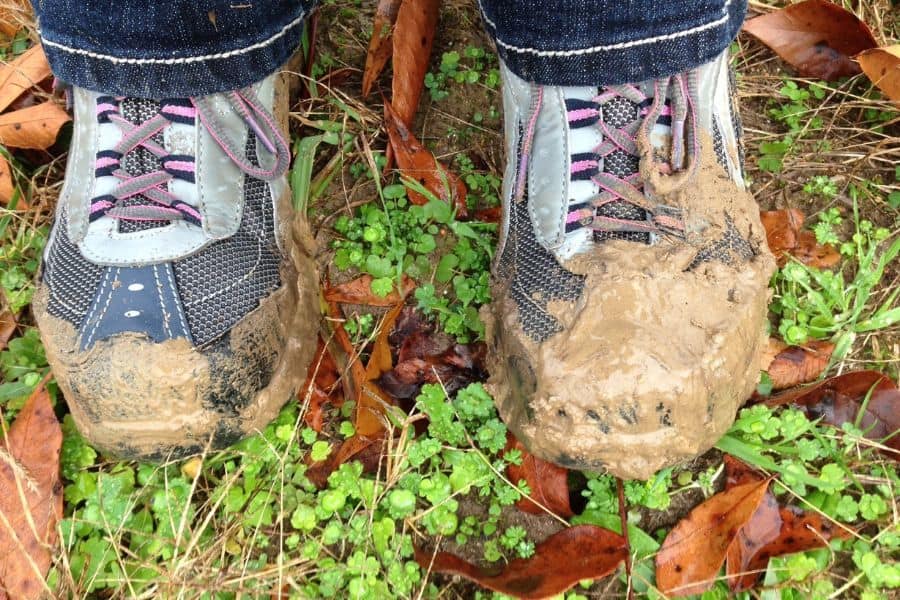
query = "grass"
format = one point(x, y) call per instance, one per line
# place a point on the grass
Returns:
point(248, 522)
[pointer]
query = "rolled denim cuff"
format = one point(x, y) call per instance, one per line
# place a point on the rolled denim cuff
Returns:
point(600, 43)
point(218, 64)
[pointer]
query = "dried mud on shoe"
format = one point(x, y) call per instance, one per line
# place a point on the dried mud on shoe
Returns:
point(660, 350)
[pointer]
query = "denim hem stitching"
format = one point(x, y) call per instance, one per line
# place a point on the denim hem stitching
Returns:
point(603, 48)
point(175, 61)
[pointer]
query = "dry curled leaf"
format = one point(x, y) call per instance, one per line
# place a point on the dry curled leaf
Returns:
point(359, 291)
point(882, 67)
point(413, 38)
point(20, 75)
point(31, 501)
point(35, 127)
point(693, 552)
point(559, 562)
point(549, 483)
point(839, 400)
point(418, 163)
point(817, 37)
point(381, 45)
point(794, 365)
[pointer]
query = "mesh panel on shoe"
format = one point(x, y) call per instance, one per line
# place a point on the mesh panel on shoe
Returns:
point(71, 279)
point(730, 249)
point(139, 161)
point(226, 280)
point(618, 113)
point(534, 275)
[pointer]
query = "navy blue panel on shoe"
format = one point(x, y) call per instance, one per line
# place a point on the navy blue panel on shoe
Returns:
point(135, 299)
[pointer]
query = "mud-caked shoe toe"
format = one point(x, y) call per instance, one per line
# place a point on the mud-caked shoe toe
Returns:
point(177, 297)
point(630, 287)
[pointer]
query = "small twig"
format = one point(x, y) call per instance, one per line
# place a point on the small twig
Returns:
point(623, 517)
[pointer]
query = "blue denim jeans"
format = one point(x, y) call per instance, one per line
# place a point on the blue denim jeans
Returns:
point(189, 48)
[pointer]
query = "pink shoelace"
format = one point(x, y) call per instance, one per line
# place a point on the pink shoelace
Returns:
point(680, 164)
point(163, 205)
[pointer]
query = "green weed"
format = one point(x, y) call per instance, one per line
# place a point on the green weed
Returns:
point(822, 304)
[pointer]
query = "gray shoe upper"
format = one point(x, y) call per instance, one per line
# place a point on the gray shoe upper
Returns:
point(568, 143)
point(137, 270)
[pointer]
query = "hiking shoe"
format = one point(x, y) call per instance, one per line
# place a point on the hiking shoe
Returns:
point(177, 299)
point(630, 285)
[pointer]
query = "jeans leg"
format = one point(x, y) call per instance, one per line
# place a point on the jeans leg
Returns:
point(609, 42)
point(175, 48)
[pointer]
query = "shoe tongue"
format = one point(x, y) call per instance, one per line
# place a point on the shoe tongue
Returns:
point(617, 113)
point(140, 161)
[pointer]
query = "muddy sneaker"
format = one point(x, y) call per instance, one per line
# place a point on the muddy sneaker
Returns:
point(630, 286)
point(177, 301)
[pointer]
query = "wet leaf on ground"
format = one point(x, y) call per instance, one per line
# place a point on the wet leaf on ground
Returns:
point(693, 552)
point(559, 562)
point(425, 355)
point(8, 326)
point(786, 238)
point(367, 442)
point(416, 162)
point(549, 483)
point(882, 67)
point(26, 71)
point(7, 188)
point(413, 38)
point(840, 399)
point(359, 291)
point(773, 530)
point(35, 127)
point(381, 46)
point(817, 37)
point(31, 501)
point(794, 365)
point(322, 387)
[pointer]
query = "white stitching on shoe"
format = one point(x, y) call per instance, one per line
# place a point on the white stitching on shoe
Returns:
point(105, 306)
point(162, 303)
point(174, 61)
point(184, 326)
point(603, 48)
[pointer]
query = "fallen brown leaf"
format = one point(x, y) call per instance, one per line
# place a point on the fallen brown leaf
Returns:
point(425, 355)
point(8, 326)
point(7, 188)
point(35, 127)
point(322, 387)
point(20, 75)
point(559, 562)
point(31, 503)
point(785, 239)
point(817, 37)
point(413, 38)
point(359, 291)
point(839, 399)
point(418, 163)
point(693, 552)
point(773, 530)
point(794, 365)
point(381, 45)
point(13, 15)
point(367, 443)
point(882, 67)
point(549, 483)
